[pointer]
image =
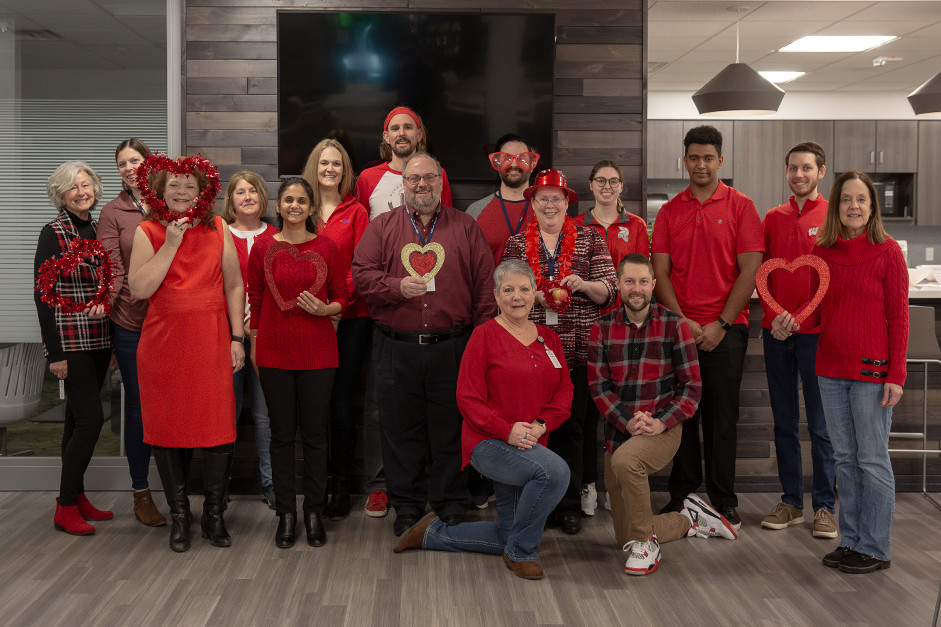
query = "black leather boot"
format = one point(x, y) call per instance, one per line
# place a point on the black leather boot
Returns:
point(216, 470)
point(316, 534)
point(287, 531)
point(173, 466)
point(343, 448)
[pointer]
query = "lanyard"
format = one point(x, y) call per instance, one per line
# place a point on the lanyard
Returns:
point(551, 259)
point(434, 222)
point(506, 215)
point(140, 207)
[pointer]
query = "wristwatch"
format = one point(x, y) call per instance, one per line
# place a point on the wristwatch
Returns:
point(722, 323)
point(238, 338)
point(540, 422)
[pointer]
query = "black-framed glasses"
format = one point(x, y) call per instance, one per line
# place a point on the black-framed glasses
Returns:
point(601, 181)
point(413, 179)
point(524, 160)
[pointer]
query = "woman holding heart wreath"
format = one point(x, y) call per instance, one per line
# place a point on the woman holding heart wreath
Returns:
point(72, 304)
point(184, 262)
point(575, 281)
point(296, 282)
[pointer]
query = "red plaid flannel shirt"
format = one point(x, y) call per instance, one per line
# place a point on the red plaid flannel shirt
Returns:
point(653, 368)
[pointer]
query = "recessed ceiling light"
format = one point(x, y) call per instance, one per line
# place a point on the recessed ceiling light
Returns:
point(837, 43)
point(781, 77)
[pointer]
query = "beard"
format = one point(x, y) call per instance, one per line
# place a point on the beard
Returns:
point(423, 205)
point(514, 177)
point(636, 308)
point(402, 151)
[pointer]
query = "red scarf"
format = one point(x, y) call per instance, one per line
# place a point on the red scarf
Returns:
point(563, 262)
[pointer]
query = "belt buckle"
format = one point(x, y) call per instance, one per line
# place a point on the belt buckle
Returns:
point(425, 339)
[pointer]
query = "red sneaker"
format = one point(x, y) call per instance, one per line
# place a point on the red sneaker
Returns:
point(69, 520)
point(377, 505)
point(90, 512)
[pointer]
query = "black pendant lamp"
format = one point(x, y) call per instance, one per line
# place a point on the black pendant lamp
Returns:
point(926, 100)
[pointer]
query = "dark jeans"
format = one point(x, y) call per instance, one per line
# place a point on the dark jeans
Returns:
point(568, 440)
point(721, 371)
point(135, 449)
point(83, 418)
point(246, 379)
point(353, 338)
point(783, 361)
point(298, 398)
point(421, 424)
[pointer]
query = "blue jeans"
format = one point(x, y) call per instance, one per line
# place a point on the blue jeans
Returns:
point(527, 484)
point(247, 379)
point(136, 451)
point(859, 430)
point(783, 361)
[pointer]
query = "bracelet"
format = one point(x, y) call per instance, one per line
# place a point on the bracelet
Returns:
point(238, 338)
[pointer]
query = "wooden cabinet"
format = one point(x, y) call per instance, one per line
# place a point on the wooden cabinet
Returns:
point(875, 146)
point(759, 162)
point(928, 203)
point(820, 131)
point(665, 149)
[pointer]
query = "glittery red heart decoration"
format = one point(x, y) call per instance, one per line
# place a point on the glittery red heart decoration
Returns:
point(294, 272)
point(422, 263)
point(184, 166)
point(51, 269)
point(812, 261)
point(557, 296)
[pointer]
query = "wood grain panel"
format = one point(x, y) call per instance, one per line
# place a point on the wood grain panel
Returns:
point(216, 102)
point(233, 85)
point(599, 104)
point(231, 138)
point(596, 69)
point(613, 87)
point(231, 68)
point(248, 120)
point(229, 15)
point(217, 154)
point(263, 85)
point(611, 15)
point(600, 34)
point(310, 5)
point(231, 32)
point(231, 50)
point(599, 53)
point(599, 139)
point(597, 122)
point(568, 87)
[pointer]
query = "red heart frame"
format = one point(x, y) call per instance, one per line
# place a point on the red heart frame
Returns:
point(184, 166)
point(51, 269)
point(278, 248)
point(559, 305)
point(426, 261)
point(812, 261)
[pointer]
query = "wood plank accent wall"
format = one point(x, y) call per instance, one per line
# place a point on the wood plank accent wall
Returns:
point(230, 83)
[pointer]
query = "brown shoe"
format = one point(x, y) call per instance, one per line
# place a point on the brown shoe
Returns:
point(526, 570)
point(414, 536)
point(146, 511)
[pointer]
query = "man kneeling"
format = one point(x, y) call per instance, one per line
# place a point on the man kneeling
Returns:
point(643, 373)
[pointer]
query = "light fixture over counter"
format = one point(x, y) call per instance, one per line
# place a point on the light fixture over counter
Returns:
point(926, 100)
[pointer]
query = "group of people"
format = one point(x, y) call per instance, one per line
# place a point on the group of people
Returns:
point(498, 338)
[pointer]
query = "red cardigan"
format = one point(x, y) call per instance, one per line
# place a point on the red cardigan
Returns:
point(345, 227)
point(502, 382)
point(865, 311)
point(294, 339)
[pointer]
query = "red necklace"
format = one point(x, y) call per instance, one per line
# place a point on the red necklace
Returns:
point(558, 300)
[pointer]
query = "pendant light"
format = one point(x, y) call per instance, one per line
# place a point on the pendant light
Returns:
point(738, 90)
point(926, 100)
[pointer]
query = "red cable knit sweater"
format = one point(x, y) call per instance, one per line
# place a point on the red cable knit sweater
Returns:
point(865, 312)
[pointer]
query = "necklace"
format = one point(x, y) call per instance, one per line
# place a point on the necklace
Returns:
point(561, 264)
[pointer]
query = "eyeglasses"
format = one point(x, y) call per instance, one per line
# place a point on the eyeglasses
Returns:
point(600, 181)
point(544, 201)
point(413, 179)
point(524, 160)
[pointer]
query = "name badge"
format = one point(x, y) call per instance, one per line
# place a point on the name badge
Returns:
point(552, 317)
point(551, 355)
point(430, 286)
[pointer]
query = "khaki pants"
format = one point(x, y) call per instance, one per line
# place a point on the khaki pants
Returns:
point(626, 477)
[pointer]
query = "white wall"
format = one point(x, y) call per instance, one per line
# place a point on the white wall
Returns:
point(678, 105)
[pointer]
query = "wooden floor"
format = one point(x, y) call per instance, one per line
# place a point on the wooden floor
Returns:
point(126, 575)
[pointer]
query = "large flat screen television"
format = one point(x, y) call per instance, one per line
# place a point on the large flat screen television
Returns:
point(471, 77)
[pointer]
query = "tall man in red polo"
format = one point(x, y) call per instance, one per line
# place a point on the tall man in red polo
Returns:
point(707, 246)
point(424, 270)
point(379, 188)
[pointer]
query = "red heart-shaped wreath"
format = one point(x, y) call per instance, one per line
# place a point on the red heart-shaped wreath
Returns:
point(778, 263)
point(184, 166)
point(557, 296)
point(294, 271)
point(51, 269)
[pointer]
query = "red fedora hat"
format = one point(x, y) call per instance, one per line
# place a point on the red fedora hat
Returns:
point(551, 178)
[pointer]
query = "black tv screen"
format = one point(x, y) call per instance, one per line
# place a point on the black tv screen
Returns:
point(471, 77)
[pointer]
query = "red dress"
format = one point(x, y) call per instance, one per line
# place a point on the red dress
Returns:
point(184, 356)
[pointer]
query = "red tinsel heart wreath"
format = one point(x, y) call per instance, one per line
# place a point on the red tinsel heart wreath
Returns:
point(51, 269)
point(297, 272)
point(184, 166)
point(557, 296)
point(812, 261)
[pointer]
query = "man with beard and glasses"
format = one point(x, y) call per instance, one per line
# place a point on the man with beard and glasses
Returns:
point(643, 373)
point(424, 270)
point(379, 188)
point(507, 211)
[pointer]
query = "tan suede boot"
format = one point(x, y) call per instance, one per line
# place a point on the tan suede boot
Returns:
point(146, 511)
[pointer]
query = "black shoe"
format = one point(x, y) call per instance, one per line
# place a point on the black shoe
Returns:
point(173, 466)
point(339, 506)
point(453, 518)
point(287, 531)
point(672, 505)
point(571, 523)
point(729, 513)
point(316, 534)
point(216, 470)
point(179, 529)
point(859, 564)
point(267, 492)
point(403, 522)
point(833, 558)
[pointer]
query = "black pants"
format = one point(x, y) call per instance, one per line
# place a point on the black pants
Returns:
point(721, 371)
point(568, 441)
point(83, 418)
point(420, 424)
point(298, 398)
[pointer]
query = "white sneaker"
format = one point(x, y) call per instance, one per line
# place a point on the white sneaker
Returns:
point(607, 501)
point(706, 522)
point(643, 557)
point(589, 499)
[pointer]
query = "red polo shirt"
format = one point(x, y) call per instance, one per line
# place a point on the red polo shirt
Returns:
point(703, 241)
point(789, 233)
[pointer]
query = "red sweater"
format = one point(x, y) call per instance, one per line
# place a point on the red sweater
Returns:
point(865, 312)
point(502, 382)
point(789, 233)
point(345, 227)
point(294, 339)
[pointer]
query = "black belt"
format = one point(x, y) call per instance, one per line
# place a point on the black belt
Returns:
point(424, 338)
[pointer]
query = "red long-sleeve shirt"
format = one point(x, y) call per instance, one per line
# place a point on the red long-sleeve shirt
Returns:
point(345, 227)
